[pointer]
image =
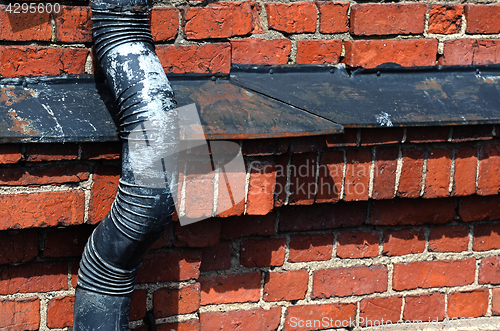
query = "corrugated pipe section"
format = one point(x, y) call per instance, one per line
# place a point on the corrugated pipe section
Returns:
point(140, 213)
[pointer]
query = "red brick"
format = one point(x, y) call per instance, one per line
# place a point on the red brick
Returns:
point(189, 325)
point(248, 226)
point(265, 147)
point(42, 209)
point(356, 245)
point(199, 234)
point(386, 163)
point(230, 288)
point(138, 305)
point(331, 172)
point(488, 181)
point(405, 52)
point(381, 136)
point(468, 304)
point(495, 302)
point(10, 153)
point(463, 133)
point(51, 152)
point(260, 198)
point(344, 282)
point(412, 212)
point(286, 285)
point(309, 317)
point(318, 51)
point(101, 151)
point(303, 187)
point(163, 241)
point(42, 175)
point(297, 17)
point(306, 248)
point(410, 182)
point(34, 277)
point(221, 20)
point(386, 19)
point(166, 266)
point(486, 237)
point(263, 252)
point(427, 134)
point(176, 301)
point(449, 239)
point(41, 61)
point(478, 208)
point(403, 242)
point(489, 271)
point(311, 144)
point(73, 24)
point(357, 174)
point(280, 191)
point(470, 51)
point(433, 274)
point(66, 241)
point(231, 193)
point(217, 257)
point(103, 192)
point(482, 18)
point(437, 176)
point(210, 58)
point(20, 314)
point(445, 19)
point(24, 26)
point(260, 51)
point(60, 312)
point(253, 319)
point(424, 307)
point(333, 16)
point(464, 182)
point(323, 216)
point(164, 23)
point(375, 310)
point(348, 138)
point(18, 246)
point(75, 265)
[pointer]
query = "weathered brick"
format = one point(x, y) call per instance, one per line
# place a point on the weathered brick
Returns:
point(260, 197)
point(42, 175)
point(424, 307)
point(67, 241)
point(372, 53)
point(60, 312)
point(412, 211)
point(217, 257)
point(164, 23)
point(468, 304)
point(344, 282)
point(73, 24)
point(348, 138)
point(307, 248)
point(403, 242)
point(101, 151)
point(495, 302)
point(386, 163)
point(253, 319)
point(230, 288)
point(303, 179)
point(176, 301)
point(479, 208)
point(286, 285)
point(210, 58)
point(248, 226)
point(10, 153)
point(265, 147)
point(297, 17)
point(189, 325)
point(463, 133)
point(437, 176)
point(199, 234)
point(138, 305)
point(427, 134)
point(433, 274)
point(41, 61)
point(103, 192)
point(42, 209)
point(260, 51)
point(489, 270)
point(482, 18)
point(374, 310)
point(34, 277)
point(318, 51)
point(231, 193)
point(470, 51)
point(381, 136)
point(309, 317)
point(486, 237)
point(263, 252)
point(445, 19)
point(333, 16)
point(464, 181)
point(24, 26)
point(488, 181)
point(387, 19)
point(199, 181)
point(331, 173)
point(323, 216)
point(173, 264)
point(51, 152)
point(20, 314)
point(449, 239)
point(280, 191)
point(221, 20)
point(18, 246)
point(356, 245)
point(357, 174)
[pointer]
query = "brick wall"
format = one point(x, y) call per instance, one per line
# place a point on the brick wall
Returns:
point(392, 224)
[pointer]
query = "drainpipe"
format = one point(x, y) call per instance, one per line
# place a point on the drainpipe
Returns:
point(140, 213)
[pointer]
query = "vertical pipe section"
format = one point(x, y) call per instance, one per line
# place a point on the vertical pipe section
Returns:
point(140, 213)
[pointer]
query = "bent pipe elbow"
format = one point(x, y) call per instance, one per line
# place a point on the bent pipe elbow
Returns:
point(140, 212)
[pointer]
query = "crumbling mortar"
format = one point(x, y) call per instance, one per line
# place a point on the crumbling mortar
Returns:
point(372, 171)
point(452, 170)
point(399, 169)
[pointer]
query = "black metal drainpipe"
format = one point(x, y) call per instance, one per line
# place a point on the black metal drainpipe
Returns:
point(139, 214)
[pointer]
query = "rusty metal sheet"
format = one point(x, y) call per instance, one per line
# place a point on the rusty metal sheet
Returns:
point(386, 96)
